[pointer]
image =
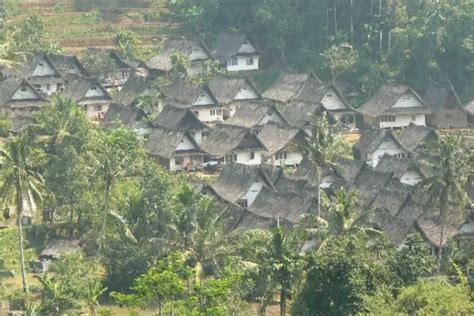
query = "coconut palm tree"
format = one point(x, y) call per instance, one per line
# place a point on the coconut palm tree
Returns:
point(451, 162)
point(321, 147)
point(23, 185)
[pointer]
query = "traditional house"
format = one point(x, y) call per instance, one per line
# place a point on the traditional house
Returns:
point(68, 64)
point(175, 150)
point(430, 227)
point(390, 201)
point(285, 207)
point(304, 94)
point(395, 106)
point(227, 90)
point(253, 113)
point(182, 119)
point(281, 143)
point(19, 98)
point(41, 73)
point(196, 51)
point(405, 170)
point(130, 116)
point(374, 144)
point(89, 94)
point(446, 107)
point(415, 138)
point(395, 228)
point(237, 52)
point(234, 144)
point(240, 184)
point(131, 91)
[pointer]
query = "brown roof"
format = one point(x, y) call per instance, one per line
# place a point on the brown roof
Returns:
point(287, 86)
point(163, 143)
point(250, 113)
point(177, 118)
point(370, 140)
point(226, 88)
point(228, 45)
point(414, 136)
point(386, 97)
point(276, 137)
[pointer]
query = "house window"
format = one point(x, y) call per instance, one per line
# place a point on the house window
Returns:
point(48, 87)
point(233, 61)
point(125, 74)
point(23, 88)
point(196, 113)
point(329, 95)
point(401, 155)
point(413, 117)
point(97, 108)
point(242, 203)
point(347, 119)
point(219, 112)
point(252, 155)
point(250, 61)
point(281, 155)
point(387, 118)
point(205, 134)
point(59, 87)
point(213, 112)
point(37, 87)
point(93, 88)
point(231, 158)
point(178, 160)
point(41, 64)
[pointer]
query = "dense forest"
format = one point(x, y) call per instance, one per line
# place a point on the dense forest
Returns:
point(153, 242)
point(379, 41)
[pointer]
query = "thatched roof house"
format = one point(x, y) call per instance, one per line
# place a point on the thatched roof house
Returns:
point(390, 201)
point(252, 113)
point(130, 91)
point(414, 138)
point(67, 64)
point(177, 118)
point(288, 85)
point(237, 51)
point(444, 102)
point(19, 98)
point(405, 170)
point(395, 106)
point(60, 247)
point(227, 89)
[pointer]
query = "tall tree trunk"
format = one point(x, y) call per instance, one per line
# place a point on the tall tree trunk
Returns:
point(106, 211)
point(351, 8)
point(444, 206)
point(283, 302)
point(318, 173)
point(334, 16)
point(380, 28)
point(19, 206)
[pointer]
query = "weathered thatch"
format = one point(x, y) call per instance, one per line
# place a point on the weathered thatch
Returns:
point(235, 181)
point(277, 137)
point(348, 169)
point(390, 201)
point(397, 166)
point(134, 86)
point(369, 177)
point(224, 139)
point(429, 225)
point(285, 206)
point(184, 92)
point(288, 85)
point(182, 45)
point(27, 69)
point(60, 247)
point(177, 118)
point(410, 211)
point(446, 106)
point(225, 88)
point(78, 86)
point(228, 45)
point(252, 113)
point(67, 64)
point(415, 137)
point(370, 140)
point(387, 96)
point(129, 116)
point(10, 86)
point(164, 142)
point(394, 228)
point(299, 186)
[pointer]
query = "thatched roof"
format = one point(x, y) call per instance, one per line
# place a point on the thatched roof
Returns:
point(410, 211)
point(67, 64)
point(414, 136)
point(349, 169)
point(224, 139)
point(370, 140)
point(289, 206)
point(27, 69)
point(277, 137)
point(60, 247)
point(439, 96)
point(288, 85)
point(177, 118)
point(395, 228)
point(126, 115)
point(250, 113)
point(390, 201)
point(226, 88)
point(235, 181)
point(77, 87)
point(296, 185)
point(10, 86)
point(298, 113)
point(228, 45)
point(397, 166)
point(173, 45)
point(369, 177)
point(183, 92)
point(134, 86)
point(430, 227)
point(164, 142)
point(387, 96)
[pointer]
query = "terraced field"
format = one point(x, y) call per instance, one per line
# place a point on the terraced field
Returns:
point(75, 31)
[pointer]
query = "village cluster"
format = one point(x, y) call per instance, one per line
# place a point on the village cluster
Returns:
point(250, 137)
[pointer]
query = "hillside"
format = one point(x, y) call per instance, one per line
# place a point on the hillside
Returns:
point(74, 31)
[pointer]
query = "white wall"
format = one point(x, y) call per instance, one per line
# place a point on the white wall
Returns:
point(253, 191)
point(203, 99)
point(271, 116)
point(185, 144)
point(332, 102)
point(337, 116)
point(292, 159)
point(388, 146)
point(326, 181)
point(404, 120)
point(246, 93)
point(28, 94)
point(411, 177)
point(204, 114)
point(242, 64)
point(244, 158)
point(408, 100)
point(43, 69)
point(93, 113)
point(97, 92)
